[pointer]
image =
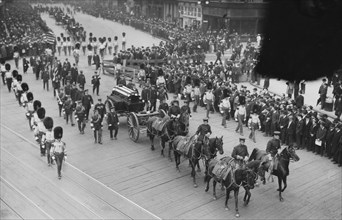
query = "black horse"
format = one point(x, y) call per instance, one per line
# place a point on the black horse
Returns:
point(195, 151)
point(184, 122)
point(167, 133)
point(233, 179)
point(282, 161)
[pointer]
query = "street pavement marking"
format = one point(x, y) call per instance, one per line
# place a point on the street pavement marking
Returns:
point(18, 191)
point(100, 217)
point(121, 196)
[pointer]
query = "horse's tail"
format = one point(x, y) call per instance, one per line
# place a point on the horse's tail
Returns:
point(253, 155)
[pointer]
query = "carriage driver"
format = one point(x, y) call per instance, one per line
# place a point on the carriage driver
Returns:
point(203, 132)
point(240, 153)
point(273, 148)
point(175, 110)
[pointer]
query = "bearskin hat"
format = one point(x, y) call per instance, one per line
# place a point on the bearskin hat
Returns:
point(29, 96)
point(8, 66)
point(123, 34)
point(41, 113)
point(94, 39)
point(48, 123)
point(58, 39)
point(15, 48)
point(77, 45)
point(36, 105)
point(19, 78)
point(62, 35)
point(58, 132)
point(104, 39)
point(90, 39)
point(24, 87)
point(109, 39)
point(68, 38)
point(14, 73)
point(142, 66)
point(209, 86)
point(64, 38)
point(116, 38)
point(90, 34)
point(89, 47)
point(242, 100)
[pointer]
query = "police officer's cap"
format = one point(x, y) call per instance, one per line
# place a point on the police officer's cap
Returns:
point(205, 119)
point(242, 139)
point(276, 133)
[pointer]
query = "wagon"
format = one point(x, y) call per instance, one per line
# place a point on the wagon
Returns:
point(128, 104)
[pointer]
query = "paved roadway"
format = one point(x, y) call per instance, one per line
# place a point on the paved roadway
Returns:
point(97, 178)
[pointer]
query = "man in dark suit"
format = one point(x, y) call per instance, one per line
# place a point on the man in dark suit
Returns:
point(96, 59)
point(323, 89)
point(290, 131)
point(320, 139)
point(283, 120)
point(299, 131)
point(306, 131)
point(300, 100)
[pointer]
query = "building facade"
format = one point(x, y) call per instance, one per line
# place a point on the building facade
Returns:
point(241, 16)
point(190, 13)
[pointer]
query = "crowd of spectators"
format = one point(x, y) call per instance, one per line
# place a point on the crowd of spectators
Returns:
point(22, 30)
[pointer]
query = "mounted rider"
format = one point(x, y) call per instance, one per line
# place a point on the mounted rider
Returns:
point(203, 132)
point(175, 110)
point(273, 149)
point(240, 153)
point(185, 109)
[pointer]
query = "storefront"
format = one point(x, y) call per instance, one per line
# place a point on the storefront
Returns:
point(190, 14)
point(243, 18)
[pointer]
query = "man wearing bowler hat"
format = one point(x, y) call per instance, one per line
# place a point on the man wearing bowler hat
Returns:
point(240, 153)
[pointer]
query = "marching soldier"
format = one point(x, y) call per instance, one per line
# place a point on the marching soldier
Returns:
point(58, 149)
point(40, 130)
point(29, 108)
point(95, 81)
point(113, 123)
point(87, 102)
point(101, 108)
point(68, 108)
point(203, 132)
point(48, 138)
point(96, 126)
point(34, 119)
point(240, 153)
point(80, 116)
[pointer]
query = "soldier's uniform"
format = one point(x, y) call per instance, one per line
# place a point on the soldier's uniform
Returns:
point(96, 126)
point(48, 138)
point(80, 117)
point(240, 153)
point(101, 108)
point(203, 131)
point(113, 123)
point(40, 130)
point(272, 148)
point(58, 149)
point(174, 110)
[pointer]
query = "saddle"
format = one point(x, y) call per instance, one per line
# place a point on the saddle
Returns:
point(183, 144)
point(223, 167)
point(159, 123)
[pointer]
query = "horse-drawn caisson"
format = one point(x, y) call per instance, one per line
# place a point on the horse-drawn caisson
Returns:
point(127, 103)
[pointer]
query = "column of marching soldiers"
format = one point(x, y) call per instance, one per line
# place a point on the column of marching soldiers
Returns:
point(73, 103)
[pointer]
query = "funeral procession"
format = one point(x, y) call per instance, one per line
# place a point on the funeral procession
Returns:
point(171, 109)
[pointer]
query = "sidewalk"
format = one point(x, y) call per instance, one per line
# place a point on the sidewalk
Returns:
point(311, 95)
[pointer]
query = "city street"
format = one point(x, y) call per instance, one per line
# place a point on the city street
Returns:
point(125, 180)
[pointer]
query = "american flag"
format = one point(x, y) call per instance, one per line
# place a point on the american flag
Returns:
point(49, 37)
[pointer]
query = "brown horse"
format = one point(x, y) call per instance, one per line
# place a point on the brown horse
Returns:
point(282, 161)
point(233, 179)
